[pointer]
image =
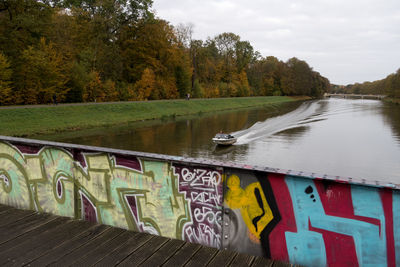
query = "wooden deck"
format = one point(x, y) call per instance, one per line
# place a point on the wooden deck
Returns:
point(36, 239)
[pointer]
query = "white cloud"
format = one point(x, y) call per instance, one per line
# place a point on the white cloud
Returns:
point(346, 41)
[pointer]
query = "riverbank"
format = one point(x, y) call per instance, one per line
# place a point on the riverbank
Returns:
point(392, 100)
point(34, 120)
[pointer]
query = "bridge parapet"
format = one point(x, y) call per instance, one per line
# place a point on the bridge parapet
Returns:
point(302, 218)
point(355, 96)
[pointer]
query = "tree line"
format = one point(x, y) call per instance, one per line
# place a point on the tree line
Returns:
point(389, 86)
point(117, 50)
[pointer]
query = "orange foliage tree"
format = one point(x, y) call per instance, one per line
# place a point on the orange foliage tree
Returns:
point(6, 94)
point(145, 86)
point(94, 91)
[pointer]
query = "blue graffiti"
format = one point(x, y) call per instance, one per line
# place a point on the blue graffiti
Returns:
point(307, 248)
point(396, 225)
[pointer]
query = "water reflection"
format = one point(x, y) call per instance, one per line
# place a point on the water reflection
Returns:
point(352, 138)
point(292, 134)
point(183, 136)
point(391, 115)
point(341, 137)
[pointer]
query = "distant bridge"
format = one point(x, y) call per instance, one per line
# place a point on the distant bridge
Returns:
point(355, 96)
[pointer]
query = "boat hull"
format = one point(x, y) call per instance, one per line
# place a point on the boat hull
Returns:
point(224, 142)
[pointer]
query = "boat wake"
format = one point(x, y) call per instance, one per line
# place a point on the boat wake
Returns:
point(307, 113)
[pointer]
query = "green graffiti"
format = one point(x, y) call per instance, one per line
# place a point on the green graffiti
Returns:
point(15, 189)
point(54, 190)
point(160, 208)
point(43, 182)
point(52, 181)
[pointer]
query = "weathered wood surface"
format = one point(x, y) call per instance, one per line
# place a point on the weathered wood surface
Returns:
point(32, 239)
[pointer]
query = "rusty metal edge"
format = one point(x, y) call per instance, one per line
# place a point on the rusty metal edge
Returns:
point(204, 162)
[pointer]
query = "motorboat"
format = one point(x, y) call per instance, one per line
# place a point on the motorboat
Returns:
point(224, 139)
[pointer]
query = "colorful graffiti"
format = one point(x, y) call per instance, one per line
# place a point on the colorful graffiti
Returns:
point(203, 190)
point(320, 222)
point(311, 222)
point(252, 207)
point(143, 195)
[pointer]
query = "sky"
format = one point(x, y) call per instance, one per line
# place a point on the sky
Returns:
point(346, 41)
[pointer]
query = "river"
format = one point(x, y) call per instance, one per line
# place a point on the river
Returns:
point(349, 138)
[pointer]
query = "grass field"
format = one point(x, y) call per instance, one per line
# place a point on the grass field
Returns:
point(27, 121)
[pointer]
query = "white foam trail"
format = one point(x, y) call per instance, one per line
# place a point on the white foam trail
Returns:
point(306, 113)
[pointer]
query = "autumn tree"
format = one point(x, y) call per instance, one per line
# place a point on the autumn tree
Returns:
point(145, 86)
point(108, 50)
point(297, 79)
point(152, 44)
point(6, 94)
point(41, 75)
point(242, 84)
point(226, 44)
point(110, 91)
point(265, 75)
point(94, 91)
point(22, 24)
point(392, 85)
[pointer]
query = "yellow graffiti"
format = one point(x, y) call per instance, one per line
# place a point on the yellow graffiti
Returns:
point(251, 202)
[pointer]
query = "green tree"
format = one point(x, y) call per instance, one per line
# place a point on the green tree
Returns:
point(79, 78)
point(244, 54)
point(182, 77)
point(198, 91)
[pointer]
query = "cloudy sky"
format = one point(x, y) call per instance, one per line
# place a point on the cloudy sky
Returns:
point(347, 41)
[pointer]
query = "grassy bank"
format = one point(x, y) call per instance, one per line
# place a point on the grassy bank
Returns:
point(29, 121)
point(392, 100)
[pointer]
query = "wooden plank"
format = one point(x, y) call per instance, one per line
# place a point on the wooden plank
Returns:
point(52, 239)
point(4, 208)
point(242, 260)
point(144, 251)
point(223, 258)
point(183, 255)
point(104, 249)
point(24, 225)
point(38, 246)
point(70, 245)
point(32, 234)
point(164, 253)
point(13, 215)
point(202, 257)
point(261, 261)
point(133, 244)
point(75, 255)
point(281, 264)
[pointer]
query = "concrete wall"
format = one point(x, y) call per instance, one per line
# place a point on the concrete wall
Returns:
point(310, 220)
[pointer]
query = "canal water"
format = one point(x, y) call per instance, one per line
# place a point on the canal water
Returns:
point(350, 138)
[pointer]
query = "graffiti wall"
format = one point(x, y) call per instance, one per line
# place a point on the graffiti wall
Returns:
point(302, 220)
point(157, 197)
point(312, 222)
